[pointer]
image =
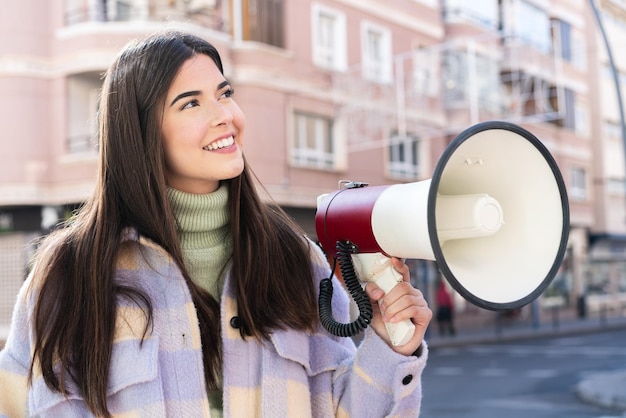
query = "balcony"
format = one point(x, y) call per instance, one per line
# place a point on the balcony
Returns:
point(205, 13)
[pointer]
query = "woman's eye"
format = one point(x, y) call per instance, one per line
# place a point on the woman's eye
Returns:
point(228, 93)
point(189, 104)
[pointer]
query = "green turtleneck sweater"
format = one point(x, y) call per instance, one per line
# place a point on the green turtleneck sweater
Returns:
point(206, 244)
point(204, 233)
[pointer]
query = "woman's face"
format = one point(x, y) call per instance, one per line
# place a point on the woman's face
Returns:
point(202, 128)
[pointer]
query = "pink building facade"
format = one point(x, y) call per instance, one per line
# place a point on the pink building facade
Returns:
point(366, 90)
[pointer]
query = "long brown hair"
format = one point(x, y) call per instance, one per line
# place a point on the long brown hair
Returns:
point(74, 315)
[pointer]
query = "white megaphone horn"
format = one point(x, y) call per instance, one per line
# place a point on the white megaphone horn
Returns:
point(494, 216)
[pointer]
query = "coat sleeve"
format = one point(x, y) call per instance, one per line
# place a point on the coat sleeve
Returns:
point(374, 380)
point(379, 381)
point(15, 362)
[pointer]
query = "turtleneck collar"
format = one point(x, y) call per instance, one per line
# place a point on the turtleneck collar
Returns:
point(202, 218)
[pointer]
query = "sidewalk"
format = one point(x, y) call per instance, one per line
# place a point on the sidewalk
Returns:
point(605, 389)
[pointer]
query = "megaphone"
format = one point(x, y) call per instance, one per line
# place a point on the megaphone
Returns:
point(494, 216)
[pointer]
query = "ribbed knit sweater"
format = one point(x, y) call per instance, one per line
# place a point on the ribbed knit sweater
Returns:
point(204, 233)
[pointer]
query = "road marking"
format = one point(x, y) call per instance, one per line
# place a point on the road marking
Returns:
point(448, 371)
point(520, 352)
point(531, 405)
point(568, 341)
point(541, 374)
point(450, 351)
point(521, 404)
point(493, 372)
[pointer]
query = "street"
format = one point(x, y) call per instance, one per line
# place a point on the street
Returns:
point(534, 378)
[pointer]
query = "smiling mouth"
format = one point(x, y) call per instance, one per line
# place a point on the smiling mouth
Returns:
point(220, 144)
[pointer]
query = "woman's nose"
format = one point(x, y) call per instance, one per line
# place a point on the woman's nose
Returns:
point(220, 114)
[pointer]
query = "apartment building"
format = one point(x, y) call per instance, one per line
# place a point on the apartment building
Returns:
point(606, 264)
point(366, 90)
point(527, 62)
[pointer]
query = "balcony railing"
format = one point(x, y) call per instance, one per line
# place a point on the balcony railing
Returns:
point(204, 13)
point(97, 13)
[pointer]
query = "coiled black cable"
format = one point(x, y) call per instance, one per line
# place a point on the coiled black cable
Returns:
point(344, 251)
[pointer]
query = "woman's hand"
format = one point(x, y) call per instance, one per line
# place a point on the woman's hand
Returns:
point(402, 302)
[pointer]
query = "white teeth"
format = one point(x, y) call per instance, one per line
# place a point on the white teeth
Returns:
point(222, 143)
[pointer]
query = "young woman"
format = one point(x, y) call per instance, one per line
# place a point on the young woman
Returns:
point(176, 292)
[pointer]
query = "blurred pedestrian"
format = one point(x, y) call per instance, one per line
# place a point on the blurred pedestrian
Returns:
point(445, 310)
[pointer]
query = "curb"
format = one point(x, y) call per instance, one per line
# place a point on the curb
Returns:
point(607, 390)
point(518, 335)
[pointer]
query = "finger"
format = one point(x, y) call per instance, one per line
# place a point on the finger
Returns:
point(406, 307)
point(423, 317)
point(401, 268)
point(402, 302)
point(401, 289)
point(374, 292)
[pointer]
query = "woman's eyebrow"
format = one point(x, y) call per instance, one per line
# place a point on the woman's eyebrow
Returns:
point(197, 92)
point(185, 94)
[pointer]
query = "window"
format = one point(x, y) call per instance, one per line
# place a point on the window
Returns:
point(98, 11)
point(581, 120)
point(487, 83)
point(313, 141)
point(457, 72)
point(425, 72)
point(562, 31)
point(83, 103)
point(123, 10)
point(579, 51)
point(454, 76)
point(329, 38)
point(578, 183)
point(377, 60)
point(569, 119)
point(484, 12)
point(266, 23)
point(104, 10)
point(532, 26)
point(403, 157)
point(616, 186)
point(564, 102)
point(78, 11)
point(612, 129)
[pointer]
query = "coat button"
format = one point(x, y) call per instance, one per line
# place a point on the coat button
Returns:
point(235, 322)
point(407, 379)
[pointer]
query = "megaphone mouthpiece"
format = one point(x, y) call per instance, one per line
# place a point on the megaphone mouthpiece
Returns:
point(467, 216)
